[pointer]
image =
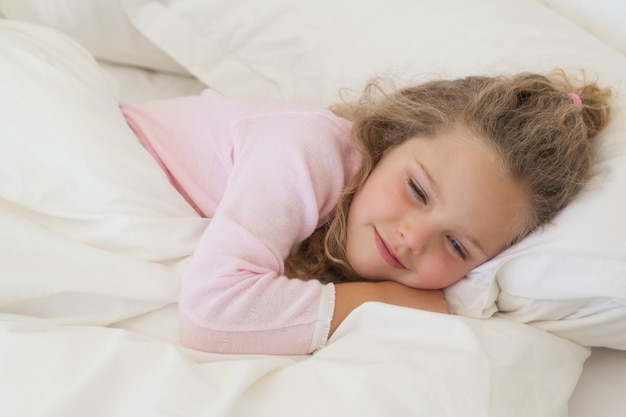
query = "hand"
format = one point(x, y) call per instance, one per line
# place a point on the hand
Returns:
point(350, 295)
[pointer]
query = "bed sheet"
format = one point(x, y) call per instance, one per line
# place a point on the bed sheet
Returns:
point(600, 391)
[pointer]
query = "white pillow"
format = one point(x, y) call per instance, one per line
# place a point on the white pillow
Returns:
point(602, 18)
point(101, 26)
point(570, 278)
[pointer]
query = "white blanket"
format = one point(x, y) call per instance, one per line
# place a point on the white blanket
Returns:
point(384, 361)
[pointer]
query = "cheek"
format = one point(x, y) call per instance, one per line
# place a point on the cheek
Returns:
point(439, 271)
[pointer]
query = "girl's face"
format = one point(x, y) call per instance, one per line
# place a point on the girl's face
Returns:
point(431, 211)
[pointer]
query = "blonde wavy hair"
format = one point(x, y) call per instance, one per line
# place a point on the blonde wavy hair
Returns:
point(544, 140)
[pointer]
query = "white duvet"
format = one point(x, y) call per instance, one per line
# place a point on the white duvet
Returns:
point(93, 244)
point(420, 365)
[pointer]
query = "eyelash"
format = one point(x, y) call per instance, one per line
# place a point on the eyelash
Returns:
point(417, 191)
point(457, 247)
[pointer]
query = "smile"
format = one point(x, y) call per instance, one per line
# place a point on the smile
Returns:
point(386, 253)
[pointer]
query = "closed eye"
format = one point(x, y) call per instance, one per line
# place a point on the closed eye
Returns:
point(417, 191)
point(457, 247)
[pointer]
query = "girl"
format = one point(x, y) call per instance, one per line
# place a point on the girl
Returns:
point(401, 196)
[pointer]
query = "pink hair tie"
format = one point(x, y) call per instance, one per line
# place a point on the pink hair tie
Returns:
point(575, 99)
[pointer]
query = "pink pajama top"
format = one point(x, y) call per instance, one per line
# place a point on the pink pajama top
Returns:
point(267, 173)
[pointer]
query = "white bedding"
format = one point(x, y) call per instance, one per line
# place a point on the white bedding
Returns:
point(88, 314)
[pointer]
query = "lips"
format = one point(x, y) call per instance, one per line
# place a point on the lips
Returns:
point(386, 253)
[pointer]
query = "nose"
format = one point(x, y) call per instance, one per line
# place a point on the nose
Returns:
point(415, 234)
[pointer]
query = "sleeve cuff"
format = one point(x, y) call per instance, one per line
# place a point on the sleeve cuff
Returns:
point(326, 311)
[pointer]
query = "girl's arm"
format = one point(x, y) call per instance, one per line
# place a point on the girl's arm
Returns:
point(267, 173)
point(287, 172)
point(350, 295)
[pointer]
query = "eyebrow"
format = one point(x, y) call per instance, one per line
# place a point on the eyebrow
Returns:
point(476, 244)
point(437, 194)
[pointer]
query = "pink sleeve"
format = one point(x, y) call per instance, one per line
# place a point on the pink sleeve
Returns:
point(288, 170)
